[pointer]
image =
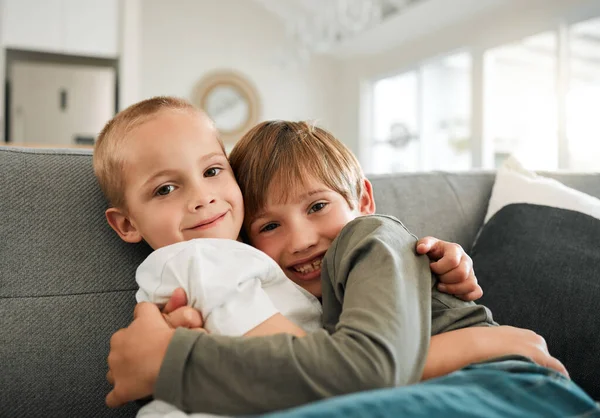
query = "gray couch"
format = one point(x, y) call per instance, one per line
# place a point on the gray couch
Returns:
point(67, 281)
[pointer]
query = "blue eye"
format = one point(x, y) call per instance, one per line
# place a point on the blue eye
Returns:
point(268, 227)
point(213, 171)
point(317, 207)
point(165, 190)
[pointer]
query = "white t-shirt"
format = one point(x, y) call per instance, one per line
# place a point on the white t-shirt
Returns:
point(233, 285)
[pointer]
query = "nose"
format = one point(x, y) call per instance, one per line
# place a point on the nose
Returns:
point(199, 197)
point(303, 236)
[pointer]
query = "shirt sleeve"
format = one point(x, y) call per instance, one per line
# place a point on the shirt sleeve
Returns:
point(376, 303)
point(448, 313)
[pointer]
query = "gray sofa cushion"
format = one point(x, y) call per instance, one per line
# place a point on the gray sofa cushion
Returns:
point(446, 205)
point(539, 268)
point(66, 284)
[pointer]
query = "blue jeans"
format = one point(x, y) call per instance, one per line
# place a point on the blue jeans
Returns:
point(503, 388)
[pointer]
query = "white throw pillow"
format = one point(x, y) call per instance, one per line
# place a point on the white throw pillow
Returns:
point(515, 184)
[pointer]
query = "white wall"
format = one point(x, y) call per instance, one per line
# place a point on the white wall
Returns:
point(181, 40)
point(505, 24)
point(130, 32)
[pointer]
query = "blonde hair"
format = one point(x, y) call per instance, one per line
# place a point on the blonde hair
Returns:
point(108, 158)
point(277, 157)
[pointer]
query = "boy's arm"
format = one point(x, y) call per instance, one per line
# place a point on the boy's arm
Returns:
point(454, 350)
point(448, 352)
point(380, 292)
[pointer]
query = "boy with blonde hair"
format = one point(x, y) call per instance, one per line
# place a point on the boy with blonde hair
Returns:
point(380, 307)
point(165, 173)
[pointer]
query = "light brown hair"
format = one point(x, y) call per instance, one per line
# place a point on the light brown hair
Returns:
point(276, 157)
point(108, 158)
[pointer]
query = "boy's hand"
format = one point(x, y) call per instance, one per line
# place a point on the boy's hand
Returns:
point(136, 354)
point(178, 314)
point(453, 350)
point(453, 267)
point(512, 340)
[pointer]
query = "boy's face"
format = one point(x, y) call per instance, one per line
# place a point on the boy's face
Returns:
point(297, 233)
point(178, 183)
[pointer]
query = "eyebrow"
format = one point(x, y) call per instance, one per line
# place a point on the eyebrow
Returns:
point(299, 199)
point(311, 193)
point(156, 175)
point(170, 171)
point(213, 154)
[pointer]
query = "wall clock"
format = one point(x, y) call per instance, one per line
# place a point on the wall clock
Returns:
point(230, 100)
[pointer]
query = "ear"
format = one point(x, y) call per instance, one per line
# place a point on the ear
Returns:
point(122, 225)
point(366, 203)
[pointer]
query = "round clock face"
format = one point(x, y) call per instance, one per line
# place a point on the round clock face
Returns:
point(228, 107)
point(230, 100)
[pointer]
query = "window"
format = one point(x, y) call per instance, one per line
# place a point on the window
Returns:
point(520, 101)
point(421, 119)
point(395, 145)
point(446, 113)
point(583, 97)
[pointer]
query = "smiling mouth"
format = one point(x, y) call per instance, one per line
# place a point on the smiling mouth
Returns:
point(308, 270)
point(308, 267)
point(209, 223)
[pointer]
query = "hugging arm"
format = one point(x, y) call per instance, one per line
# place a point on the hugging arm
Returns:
point(376, 296)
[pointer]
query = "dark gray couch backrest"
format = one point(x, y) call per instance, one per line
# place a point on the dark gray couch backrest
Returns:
point(67, 280)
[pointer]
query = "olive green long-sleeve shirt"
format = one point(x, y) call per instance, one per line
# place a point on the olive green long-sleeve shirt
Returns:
point(380, 307)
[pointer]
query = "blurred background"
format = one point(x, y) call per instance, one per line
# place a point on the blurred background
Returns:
point(408, 85)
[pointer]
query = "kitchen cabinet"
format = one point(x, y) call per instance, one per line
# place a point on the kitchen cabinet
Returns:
point(74, 27)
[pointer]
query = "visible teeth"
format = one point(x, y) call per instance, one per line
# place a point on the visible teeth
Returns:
point(309, 267)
